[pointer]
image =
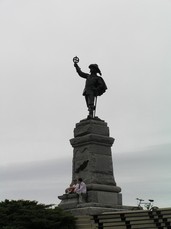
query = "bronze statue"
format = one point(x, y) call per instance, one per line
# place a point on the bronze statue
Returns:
point(95, 85)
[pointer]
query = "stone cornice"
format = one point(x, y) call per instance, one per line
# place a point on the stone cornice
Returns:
point(92, 139)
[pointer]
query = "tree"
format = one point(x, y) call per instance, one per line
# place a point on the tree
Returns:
point(25, 214)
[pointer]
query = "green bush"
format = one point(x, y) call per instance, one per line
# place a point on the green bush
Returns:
point(25, 214)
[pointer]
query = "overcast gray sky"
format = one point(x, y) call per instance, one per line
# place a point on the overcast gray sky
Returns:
point(41, 95)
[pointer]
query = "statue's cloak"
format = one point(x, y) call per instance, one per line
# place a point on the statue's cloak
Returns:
point(101, 88)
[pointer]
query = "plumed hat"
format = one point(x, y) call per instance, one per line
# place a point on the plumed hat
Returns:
point(96, 67)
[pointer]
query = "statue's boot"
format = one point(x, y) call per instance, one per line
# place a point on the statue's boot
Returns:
point(91, 109)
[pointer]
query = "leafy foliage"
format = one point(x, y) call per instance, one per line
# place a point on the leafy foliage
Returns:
point(25, 214)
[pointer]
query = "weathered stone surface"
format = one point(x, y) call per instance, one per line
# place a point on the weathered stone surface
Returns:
point(92, 161)
point(92, 139)
point(101, 187)
point(110, 199)
point(68, 201)
point(93, 210)
point(91, 126)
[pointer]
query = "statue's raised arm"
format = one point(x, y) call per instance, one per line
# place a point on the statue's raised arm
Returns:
point(78, 69)
point(94, 86)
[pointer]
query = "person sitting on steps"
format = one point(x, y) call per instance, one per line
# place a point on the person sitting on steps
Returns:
point(71, 188)
point(81, 189)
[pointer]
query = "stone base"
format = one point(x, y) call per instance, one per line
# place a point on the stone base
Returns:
point(93, 198)
point(90, 210)
point(92, 161)
point(68, 201)
point(87, 210)
point(105, 198)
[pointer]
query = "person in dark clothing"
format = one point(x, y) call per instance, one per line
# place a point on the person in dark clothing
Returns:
point(95, 86)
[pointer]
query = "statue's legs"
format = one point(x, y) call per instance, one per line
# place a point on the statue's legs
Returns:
point(90, 104)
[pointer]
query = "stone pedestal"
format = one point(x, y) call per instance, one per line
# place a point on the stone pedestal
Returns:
point(92, 161)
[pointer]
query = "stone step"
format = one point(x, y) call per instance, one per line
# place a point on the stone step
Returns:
point(86, 225)
point(137, 222)
point(84, 218)
point(131, 219)
point(109, 216)
point(136, 218)
point(147, 226)
point(164, 211)
point(114, 227)
point(114, 224)
point(169, 219)
point(85, 222)
point(116, 221)
point(137, 214)
point(82, 226)
point(162, 220)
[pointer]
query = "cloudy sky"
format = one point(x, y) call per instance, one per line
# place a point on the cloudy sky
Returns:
point(41, 95)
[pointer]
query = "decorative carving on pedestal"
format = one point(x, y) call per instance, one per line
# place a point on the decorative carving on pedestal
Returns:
point(92, 161)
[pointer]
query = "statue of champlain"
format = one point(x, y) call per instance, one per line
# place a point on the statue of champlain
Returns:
point(94, 86)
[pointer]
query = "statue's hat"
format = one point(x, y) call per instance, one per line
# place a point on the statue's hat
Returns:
point(95, 66)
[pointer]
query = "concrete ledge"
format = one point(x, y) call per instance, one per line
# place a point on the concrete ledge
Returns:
point(96, 120)
point(101, 187)
point(92, 210)
point(92, 139)
point(68, 196)
point(91, 127)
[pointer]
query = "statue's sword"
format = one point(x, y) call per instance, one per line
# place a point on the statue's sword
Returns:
point(95, 104)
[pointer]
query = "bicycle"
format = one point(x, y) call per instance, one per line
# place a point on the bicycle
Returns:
point(147, 205)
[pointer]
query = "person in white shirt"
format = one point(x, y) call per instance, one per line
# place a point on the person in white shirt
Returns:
point(80, 188)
